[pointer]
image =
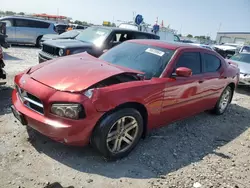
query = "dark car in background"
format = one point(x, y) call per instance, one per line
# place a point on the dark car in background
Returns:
point(66, 35)
point(2, 65)
point(3, 35)
point(61, 28)
point(93, 40)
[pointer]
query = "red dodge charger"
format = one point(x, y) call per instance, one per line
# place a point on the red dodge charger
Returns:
point(113, 100)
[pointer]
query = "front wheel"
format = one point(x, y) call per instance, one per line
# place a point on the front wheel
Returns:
point(39, 42)
point(118, 133)
point(223, 101)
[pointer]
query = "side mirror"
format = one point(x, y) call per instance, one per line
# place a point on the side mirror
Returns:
point(183, 72)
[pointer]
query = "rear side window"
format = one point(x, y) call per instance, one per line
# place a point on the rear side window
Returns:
point(21, 23)
point(142, 36)
point(31, 23)
point(211, 63)
point(191, 60)
point(40, 24)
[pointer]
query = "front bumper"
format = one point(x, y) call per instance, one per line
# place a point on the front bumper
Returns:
point(244, 79)
point(71, 132)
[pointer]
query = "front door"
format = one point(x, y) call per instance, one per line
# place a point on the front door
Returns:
point(182, 96)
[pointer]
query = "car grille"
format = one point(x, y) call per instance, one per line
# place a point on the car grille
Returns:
point(50, 50)
point(30, 101)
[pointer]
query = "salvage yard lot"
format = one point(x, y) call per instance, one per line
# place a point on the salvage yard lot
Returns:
point(206, 150)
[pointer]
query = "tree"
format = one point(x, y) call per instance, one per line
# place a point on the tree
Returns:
point(179, 35)
point(208, 37)
point(10, 13)
point(113, 25)
point(21, 13)
point(190, 36)
point(78, 22)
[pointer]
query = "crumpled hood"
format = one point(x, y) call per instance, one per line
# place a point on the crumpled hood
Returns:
point(67, 43)
point(76, 72)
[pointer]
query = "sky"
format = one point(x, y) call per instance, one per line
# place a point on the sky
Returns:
point(196, 17)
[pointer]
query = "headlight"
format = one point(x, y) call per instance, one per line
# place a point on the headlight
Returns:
point(89, 93)
point(72, 111)
point(60, 52)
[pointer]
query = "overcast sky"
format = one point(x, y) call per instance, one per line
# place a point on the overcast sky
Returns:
point(198, 17)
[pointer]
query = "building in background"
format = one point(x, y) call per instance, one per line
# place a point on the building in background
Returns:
point(233, 37)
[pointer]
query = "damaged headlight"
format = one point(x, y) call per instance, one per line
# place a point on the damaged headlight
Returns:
point(72, 111)
point(60, 52)
point(244, 75)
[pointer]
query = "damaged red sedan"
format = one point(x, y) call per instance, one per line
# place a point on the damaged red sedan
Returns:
point(113, 100)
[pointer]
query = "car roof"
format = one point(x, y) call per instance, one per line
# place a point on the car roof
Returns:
point(26, 18)
point(165, 44)
point(123, 29)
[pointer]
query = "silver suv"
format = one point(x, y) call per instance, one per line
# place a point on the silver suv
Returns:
point(26, 30)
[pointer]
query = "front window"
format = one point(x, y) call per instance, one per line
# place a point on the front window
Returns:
point(145, 58)
point(95, 35)
point(241, 57)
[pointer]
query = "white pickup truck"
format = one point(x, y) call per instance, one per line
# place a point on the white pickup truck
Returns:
point(164, 35)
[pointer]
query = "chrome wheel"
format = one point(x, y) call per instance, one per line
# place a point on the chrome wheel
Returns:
point(224, 101)
point(122, 134)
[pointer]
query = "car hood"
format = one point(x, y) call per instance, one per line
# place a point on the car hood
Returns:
point(244, 67)
point(67, 43)
point(75, 73)
point(225, 47)
point(50, 36)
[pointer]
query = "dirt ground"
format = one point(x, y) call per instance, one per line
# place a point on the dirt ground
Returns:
point(203, 151)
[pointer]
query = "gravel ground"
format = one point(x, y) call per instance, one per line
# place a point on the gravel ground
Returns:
point(202, 151)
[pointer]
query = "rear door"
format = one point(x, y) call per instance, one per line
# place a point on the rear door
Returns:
point(213, 81)
point(10, 30)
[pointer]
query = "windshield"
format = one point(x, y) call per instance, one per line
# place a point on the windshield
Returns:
point(95, 35)
point(241, 57)
point(145, 58)
point(70, 34)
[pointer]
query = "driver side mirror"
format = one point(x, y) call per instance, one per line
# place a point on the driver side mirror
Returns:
point(183, 72)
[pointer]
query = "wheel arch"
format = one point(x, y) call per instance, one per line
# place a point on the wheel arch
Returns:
point(138, 106)
point(232, 85)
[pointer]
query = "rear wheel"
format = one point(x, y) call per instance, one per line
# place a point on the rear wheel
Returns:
point(118, 133)
point(223, 101)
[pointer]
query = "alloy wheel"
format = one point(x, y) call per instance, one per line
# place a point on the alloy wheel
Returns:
point(224, 101)
point(122, 134)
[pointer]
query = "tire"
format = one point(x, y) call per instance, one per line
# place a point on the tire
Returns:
point(107, 137)
point(221, 106)
point(38, 41)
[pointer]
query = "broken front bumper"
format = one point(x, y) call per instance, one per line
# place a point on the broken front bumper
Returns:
point(244, 79)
